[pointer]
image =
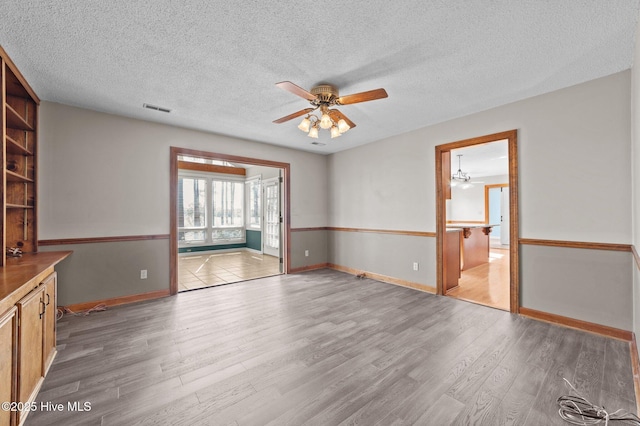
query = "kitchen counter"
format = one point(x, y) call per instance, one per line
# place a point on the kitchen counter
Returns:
point(474, 243)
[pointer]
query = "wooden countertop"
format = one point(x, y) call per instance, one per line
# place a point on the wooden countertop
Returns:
point(19, 271)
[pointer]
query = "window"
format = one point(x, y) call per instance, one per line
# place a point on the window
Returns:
point(210, 210)
point(228, 199)
point(192, 209)
point(228, 211)
point(254, 190)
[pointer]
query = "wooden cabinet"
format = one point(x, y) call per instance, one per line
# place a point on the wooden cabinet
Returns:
point(451, 257)
point(446, 174)
point(31, 311)
point(8, 362)
point(49, 346)
point(27, 327)
point(19, 144)
point(475, 247)
point(27, 283)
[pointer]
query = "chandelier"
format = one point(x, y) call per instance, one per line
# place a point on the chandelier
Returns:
point(459, 176)
point(311, 123)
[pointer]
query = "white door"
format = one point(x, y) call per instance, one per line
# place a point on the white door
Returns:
point(271, 241)
point(495, 211)
point(504, 217)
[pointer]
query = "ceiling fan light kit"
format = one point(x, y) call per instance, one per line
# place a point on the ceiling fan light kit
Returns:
point(323, 97)
point(305, 125)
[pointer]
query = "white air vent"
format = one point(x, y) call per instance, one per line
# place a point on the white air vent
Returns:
point(156, 108)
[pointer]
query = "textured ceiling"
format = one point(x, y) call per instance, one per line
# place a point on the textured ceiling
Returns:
point(215, 63)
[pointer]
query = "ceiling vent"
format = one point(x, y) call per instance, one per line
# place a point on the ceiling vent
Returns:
point(156, 108)
point(318, 143)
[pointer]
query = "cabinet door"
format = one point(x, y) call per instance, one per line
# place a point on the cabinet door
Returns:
point(30, 343)
point(446, 174)
point(50, 284)
point(8, 362)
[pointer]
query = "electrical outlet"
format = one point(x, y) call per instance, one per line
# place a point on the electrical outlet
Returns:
point(415, 266)
point(306, 253)
point(143, 274)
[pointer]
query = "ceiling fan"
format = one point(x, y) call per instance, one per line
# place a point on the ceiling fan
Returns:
point(324, 97)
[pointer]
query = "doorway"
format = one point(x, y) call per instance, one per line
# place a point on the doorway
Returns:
point(496, 201)
point(221, 219)
point(271, 197)
point(451, 236)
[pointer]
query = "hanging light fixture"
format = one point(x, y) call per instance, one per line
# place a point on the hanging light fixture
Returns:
point(342, 126)
point(325, 121)
point(311, 123)
point(459, 176)
point(313, 132)
point(305, 125)
point(326, 96)
point(323, 98)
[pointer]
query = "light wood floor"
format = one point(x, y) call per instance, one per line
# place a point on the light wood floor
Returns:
point(204, 270)
point(486, 284)
point(324, 348)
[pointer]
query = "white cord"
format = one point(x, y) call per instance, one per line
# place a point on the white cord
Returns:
point(578, 410)
point(63, 310)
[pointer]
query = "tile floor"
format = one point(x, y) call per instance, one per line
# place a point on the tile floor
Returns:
point(204, 270)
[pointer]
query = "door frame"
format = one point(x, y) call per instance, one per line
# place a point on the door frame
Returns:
point(486, 197)
point(514, 228)
point(173, 200)
point(264, 209)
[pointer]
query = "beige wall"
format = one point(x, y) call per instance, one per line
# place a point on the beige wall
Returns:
point(99, 271)
point(574, 168)
point(104, 175)
point(635, 158)
point(590, 285)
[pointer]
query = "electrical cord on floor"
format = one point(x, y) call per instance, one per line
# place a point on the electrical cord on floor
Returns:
point(64, 310)
point(577, 410)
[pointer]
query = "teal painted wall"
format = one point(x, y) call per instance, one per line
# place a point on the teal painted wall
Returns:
point(207, 248)
point(254, 240)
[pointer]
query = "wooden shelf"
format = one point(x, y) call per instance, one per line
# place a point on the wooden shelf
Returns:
point(15, 87)
point(15, 177)
point(15, 121)
point(19, 223)
point(14, 147)
point(18, 206)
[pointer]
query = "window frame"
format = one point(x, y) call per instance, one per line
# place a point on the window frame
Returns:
point(257, 179)
point(210, 227)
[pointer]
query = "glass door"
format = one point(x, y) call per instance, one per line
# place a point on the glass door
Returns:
point(272, 217)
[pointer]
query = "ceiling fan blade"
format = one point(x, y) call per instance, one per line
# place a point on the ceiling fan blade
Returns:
point(371, 95)
point(296, 90)
point(337, 115)
point(294, 115)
